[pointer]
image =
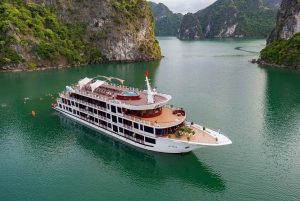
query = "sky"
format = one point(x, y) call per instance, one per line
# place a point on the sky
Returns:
point(185, 6)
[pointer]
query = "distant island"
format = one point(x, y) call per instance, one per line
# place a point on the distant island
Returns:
point(167, 23)
point(229, 18)
point(283, 44)
point(222, 19)
point(35, 34)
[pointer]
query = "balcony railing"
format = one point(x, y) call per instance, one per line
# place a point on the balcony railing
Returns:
point(129, 117)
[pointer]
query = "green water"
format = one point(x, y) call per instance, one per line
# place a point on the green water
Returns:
point(49, 157)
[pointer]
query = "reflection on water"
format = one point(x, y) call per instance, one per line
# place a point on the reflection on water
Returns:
point(282, 110)
point(143, 166)
point(281, 127)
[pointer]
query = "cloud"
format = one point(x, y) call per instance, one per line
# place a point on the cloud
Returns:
point(185, 6)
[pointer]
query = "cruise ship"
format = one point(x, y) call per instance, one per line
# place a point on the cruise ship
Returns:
point(142, 118)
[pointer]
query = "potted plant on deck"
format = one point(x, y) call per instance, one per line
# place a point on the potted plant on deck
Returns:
point(193, 133)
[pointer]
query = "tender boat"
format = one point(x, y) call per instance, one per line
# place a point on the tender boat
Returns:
point(141, 118)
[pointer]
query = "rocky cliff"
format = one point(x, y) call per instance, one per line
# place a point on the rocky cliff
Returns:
point(235, 18)
point(167, 23)
point(272, 3)
point(287, 22)
point(283, 46)
point(190, 28)
point(43, 33)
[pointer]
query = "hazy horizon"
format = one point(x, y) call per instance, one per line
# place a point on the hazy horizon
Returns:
point(184, 6)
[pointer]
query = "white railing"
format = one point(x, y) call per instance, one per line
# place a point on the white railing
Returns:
point(129, 117)
point(152, 124)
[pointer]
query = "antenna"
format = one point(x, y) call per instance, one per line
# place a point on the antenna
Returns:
point(149, 91)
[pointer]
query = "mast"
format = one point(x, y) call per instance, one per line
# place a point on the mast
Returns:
point(149, 91)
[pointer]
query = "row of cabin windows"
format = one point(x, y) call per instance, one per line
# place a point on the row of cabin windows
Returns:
point(120, 120)
point(66, 108)
point(114, 109)
point(115, 128)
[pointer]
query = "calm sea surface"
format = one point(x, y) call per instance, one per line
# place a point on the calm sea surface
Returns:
point(49, 157)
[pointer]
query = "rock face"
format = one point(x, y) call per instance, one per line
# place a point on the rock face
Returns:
point(190, 28)
point(272, 3)
point(94, 32)
point(283, 47)
point(288, 21)
point(235, 18)
point(167, 23)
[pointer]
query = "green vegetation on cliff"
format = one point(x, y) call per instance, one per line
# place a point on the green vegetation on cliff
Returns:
point(283, 52)
point(234, 18)
point(272, 3)
point(167, 23)
point(283, 44)
point(32, 25)
point(59, 33)
point(250, 18)
point(190, 28)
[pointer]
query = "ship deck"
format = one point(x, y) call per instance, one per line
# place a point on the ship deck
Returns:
point(199, 137)
point(167, 118)
point(110, 91)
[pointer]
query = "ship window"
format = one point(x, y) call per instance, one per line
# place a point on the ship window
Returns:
point(160, 131)
point(150, 140)
point(63, 100)
point(109, 125)
point(108, 116)
point(148, 129)
point(120, 130)
point(119, 110)
point(64, 107)
point(115, 128)
point(113, 109)
point(60, 105)
point(136, 125)
point(96, 120)
point(141, 127)
point(95, 111)
point(70, 110)
point(76, 104)
point(72, 103)
point(120, 119)
point(74, 111)
point(107, 106)
point(77, 112)
point(114, 118)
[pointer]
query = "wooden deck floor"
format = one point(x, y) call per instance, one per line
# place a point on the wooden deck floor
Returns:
point(200, 136)
point(166, 116)
point(143, 101)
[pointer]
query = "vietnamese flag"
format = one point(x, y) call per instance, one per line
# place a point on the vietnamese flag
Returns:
point(146, 73)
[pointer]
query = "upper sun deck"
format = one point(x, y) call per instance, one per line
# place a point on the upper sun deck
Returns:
point(111, 91)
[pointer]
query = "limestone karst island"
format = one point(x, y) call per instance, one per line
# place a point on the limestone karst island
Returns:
point(38, 33)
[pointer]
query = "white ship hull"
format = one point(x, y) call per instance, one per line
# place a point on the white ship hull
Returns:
point(164, 145)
